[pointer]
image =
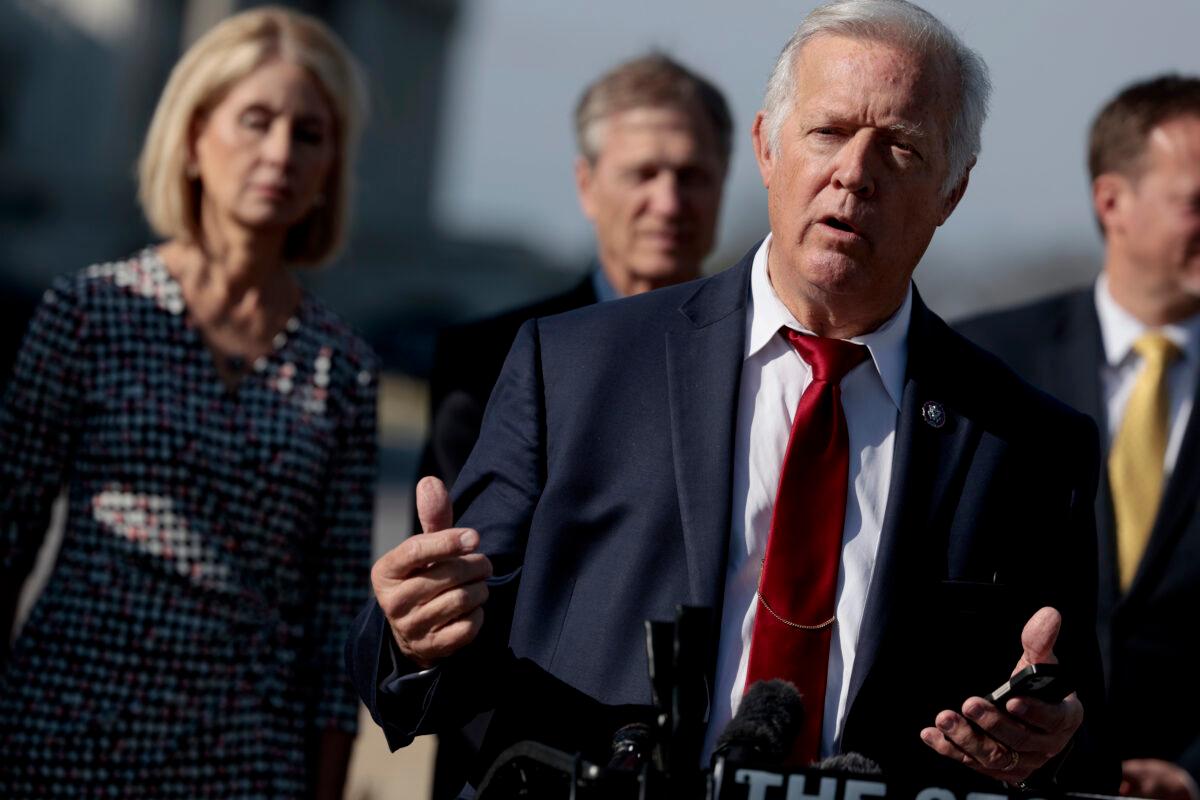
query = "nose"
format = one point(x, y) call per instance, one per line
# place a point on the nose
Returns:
point(666, 194)
point(853, 170)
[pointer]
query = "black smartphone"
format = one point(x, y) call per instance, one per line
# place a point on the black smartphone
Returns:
point(1046, 682)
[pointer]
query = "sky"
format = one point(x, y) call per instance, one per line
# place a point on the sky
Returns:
point(517, 67)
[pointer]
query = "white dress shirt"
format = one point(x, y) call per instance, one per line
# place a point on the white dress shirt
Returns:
point(1119, 330)
point(774, 376)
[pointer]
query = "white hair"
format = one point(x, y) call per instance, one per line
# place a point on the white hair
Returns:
point(900, 23)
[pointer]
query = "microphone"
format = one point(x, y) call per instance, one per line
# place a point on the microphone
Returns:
point(765, 726)
point(632, 746)
point(851, 763)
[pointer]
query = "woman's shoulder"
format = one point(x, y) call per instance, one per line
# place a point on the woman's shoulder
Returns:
point(140, 274)
point(333, 332)
point(108, 282)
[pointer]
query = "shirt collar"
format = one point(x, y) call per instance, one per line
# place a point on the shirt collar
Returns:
point(1119, 329)
point(601, 286)
point(887, 344)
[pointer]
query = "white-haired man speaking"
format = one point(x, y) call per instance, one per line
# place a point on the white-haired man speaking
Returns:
point(875, 510)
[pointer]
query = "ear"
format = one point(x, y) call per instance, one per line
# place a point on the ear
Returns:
point(955, 195)
point(1108, 191)
point(585, 182)
point(762, 149)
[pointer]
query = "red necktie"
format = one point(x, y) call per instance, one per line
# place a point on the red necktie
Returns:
point(793, 623)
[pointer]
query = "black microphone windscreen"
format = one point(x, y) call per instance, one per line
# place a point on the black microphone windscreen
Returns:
point(765, 726)
point(631, 746)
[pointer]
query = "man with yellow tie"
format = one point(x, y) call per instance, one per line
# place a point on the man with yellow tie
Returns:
point(1127, 352)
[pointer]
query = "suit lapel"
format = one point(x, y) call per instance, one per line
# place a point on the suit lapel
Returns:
point(1073, 357)
point(1071, 365)
point(704, 354)
point(928, 461)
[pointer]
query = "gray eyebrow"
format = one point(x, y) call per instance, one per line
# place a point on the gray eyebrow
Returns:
point(915, 131)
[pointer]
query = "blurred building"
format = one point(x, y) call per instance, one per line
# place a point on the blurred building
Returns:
point(81, 81)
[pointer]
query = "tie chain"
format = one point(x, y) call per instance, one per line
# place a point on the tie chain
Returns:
point(788, 622)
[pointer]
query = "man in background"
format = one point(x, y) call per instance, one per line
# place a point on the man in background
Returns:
point(654, 144)
point(653, 148)
point(1126, 351)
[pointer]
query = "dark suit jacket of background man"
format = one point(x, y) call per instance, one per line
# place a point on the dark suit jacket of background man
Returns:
point(466, 364)
point(1148, 636)
point(601, 487)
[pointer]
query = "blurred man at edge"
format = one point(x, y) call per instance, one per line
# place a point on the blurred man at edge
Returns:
point(1126, 351)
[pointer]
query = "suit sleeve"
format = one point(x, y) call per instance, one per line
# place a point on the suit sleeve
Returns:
point(496, 494)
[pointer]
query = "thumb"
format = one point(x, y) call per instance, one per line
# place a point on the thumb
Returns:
point(433, 505)
point(1039, 636)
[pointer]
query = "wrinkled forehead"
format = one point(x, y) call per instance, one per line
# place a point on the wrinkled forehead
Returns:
point(926, 79)
point(647, 122)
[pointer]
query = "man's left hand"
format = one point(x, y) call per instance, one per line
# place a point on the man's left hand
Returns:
point(1012, 744)
point(1152, 777)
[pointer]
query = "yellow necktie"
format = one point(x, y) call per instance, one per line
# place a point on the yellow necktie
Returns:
point(1135, 465)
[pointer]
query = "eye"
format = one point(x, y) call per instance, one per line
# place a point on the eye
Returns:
point(904, 151)
point(825, 137)
point(309, 133)
point(640, 174)
point(694, 178)
point(255, 118)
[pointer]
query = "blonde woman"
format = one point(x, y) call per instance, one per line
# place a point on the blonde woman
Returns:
point(214, 426)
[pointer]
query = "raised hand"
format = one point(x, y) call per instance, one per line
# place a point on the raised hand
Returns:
point(1011, 744)
point(432, 586)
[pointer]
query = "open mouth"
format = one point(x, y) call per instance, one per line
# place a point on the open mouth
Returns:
point(834, 222)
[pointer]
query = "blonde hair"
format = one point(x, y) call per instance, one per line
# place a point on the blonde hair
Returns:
point(208, 70)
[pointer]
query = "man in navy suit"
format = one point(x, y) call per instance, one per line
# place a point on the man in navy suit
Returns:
point(630, 453)
point(1085, 348)
point(653, 142)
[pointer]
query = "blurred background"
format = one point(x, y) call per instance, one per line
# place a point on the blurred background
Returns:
point(466, 202)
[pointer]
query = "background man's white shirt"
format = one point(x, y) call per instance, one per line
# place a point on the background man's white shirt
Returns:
point(1119, 330)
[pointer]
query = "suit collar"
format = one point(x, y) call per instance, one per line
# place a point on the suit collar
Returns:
point(766, 314)
point(1069, 360)
point(935, 438)
point(715, 298)
point(602, 287)
point(1119, 329)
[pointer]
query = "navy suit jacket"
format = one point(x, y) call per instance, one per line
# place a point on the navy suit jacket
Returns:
point(466, 364)
point(601, 487)
point(1151, 653)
